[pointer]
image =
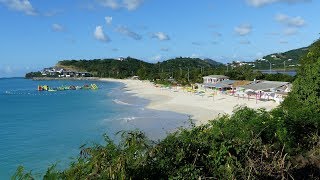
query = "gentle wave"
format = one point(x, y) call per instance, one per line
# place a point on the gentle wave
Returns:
point(129, 118)
point(117, 101)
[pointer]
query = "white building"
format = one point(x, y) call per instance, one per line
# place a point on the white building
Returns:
point(214, 79)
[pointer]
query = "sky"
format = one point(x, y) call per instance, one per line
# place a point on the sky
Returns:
point(38, 33)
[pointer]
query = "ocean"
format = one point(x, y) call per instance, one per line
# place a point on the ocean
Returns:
point(288, 72)
point(38, 129)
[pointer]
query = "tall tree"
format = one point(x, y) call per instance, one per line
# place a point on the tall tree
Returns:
point(302, 106)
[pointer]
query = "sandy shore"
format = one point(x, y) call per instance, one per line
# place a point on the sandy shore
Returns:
point(200, 108)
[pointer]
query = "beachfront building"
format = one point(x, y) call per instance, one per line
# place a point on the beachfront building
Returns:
point(135, 78)
point(269, 90)
point(222, 85)
point(271, 86)
point(60, 72)
point(213, 79)
point(53, 71)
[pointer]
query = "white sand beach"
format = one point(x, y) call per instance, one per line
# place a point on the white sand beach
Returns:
point(200, 108)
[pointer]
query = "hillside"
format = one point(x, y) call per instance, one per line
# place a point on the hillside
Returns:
point(107, 67)
point(290, 59)
point(179, 68)
point(182, 62)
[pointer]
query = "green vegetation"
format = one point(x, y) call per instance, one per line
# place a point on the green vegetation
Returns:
point(33, 74)
point(291, 59)
point(246, 72)
point(182, 70)
point(179, 70)
point(251, 144)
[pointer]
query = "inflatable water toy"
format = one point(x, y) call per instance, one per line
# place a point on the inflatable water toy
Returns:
point(64, 88)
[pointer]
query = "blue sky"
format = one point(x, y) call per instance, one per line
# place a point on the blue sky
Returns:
point(38, 33)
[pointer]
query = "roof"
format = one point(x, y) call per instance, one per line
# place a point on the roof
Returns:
point(241, 83)
point(222, 84)
point(227, 81)
point(265, 85)
point(282, 93)
point(217, 76)
point(218, 85)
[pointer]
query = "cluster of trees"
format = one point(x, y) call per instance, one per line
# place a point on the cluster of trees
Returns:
point(283, 143)
point(33, 74)
point(181, 70)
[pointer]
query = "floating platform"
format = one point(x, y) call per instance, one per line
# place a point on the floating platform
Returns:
point(65, 88)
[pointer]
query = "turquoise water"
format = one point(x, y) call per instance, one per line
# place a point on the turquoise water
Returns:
point(38, 129)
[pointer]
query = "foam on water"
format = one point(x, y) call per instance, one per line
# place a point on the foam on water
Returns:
point(117, 101)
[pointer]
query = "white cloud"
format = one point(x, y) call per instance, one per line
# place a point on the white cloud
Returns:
point(132, 4)
point(113, 4)
point(108, 19)
point(290, 31)
point(161, 36)
point(19, 5)
point(290, 21)
point(259, 3)
point(99, 34)
point(243, 29)
point(116, 4)
point(156, 58)
point(281, 17)
point(57, 27)
point(126, 31)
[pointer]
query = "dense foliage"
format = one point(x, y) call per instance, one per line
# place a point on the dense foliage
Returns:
point(291, 59)
point(250, 144)
point(179, 70)
point(33, 74)
point(246, 72)
point(182, 70)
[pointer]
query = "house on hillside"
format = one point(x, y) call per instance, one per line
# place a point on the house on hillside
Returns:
point(52, 71)
point(212, 79)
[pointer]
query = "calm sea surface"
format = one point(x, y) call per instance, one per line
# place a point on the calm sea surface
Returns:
point(38, 129)
point(289, 72)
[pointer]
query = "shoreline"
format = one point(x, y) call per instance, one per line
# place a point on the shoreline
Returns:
point(201, 109)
